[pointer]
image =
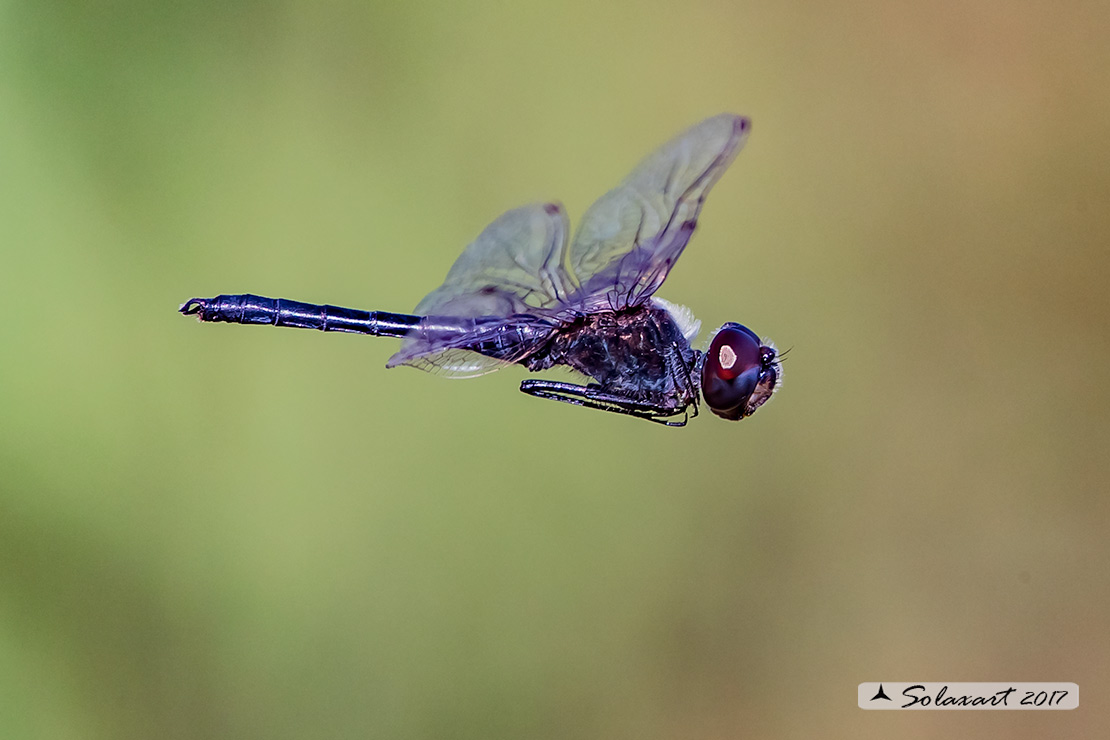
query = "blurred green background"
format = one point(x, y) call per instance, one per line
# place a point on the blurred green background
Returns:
point(218, 531)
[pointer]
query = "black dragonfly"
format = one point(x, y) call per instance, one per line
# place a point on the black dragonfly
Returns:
point(520, 294)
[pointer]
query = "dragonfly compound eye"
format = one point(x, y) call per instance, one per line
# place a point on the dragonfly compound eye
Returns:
point(731, 371)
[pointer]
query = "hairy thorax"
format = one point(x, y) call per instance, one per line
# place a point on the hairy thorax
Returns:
point(638, 351)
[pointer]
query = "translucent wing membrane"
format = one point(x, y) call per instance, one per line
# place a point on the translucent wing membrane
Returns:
point(513, 268)
point(465, 347)
point(630, 238)
point(513, 265)
point(453, 363)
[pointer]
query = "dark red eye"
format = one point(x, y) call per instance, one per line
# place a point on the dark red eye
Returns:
point(730, 370)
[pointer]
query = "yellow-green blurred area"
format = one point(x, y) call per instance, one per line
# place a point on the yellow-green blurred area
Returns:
point(214, 531)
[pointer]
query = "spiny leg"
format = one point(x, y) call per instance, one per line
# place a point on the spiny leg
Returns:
point(689, 387)
point(605, 406)
point(593, 397)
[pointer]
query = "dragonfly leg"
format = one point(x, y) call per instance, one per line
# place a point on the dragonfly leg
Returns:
point(688, 389)
point(594, 397)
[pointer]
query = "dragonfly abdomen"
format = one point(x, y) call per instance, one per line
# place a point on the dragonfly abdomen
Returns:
point(255, 309)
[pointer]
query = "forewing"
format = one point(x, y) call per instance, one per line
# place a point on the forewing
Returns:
point(631, 237)
point(515, 264)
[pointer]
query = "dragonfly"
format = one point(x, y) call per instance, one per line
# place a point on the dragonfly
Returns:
point(523, 293)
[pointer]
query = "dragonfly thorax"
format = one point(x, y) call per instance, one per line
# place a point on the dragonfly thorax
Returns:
point(639, 351)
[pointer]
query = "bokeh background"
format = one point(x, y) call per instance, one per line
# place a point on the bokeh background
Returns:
point(221, 531)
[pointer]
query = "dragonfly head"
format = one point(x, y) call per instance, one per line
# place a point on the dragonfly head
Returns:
point(739, 373)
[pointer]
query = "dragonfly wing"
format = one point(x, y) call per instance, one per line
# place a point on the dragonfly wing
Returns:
point(453, 363)
point(467, 347)
point(631, 237)
point(514, 268)
point(516, 263)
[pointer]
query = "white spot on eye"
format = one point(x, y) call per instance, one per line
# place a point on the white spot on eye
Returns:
point(727, 357)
